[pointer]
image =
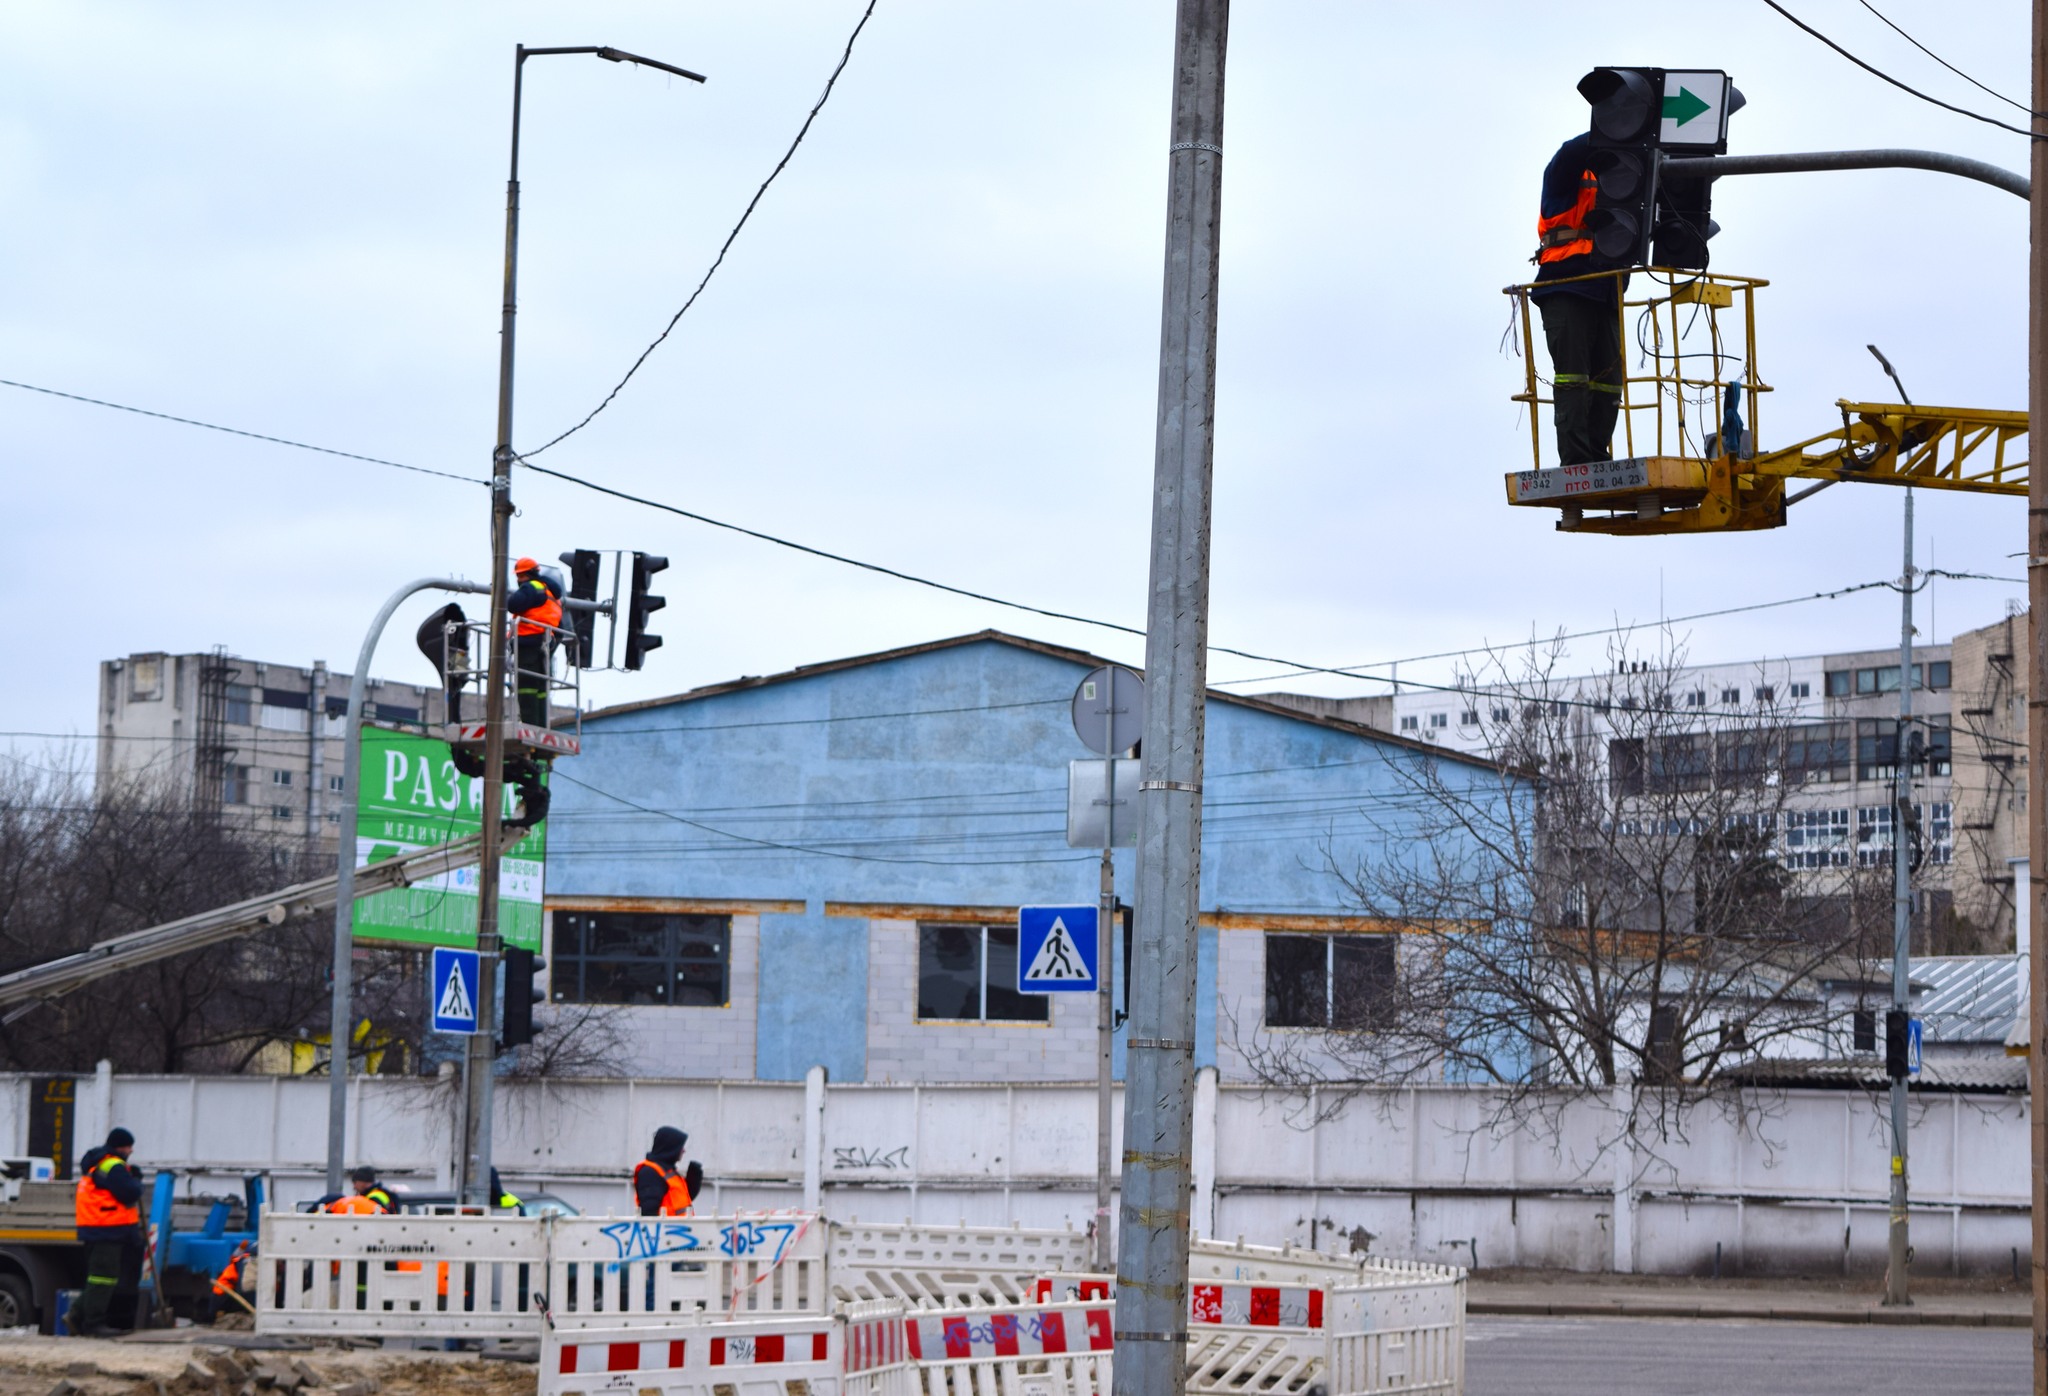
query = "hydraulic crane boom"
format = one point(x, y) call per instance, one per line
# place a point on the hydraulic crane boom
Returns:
point(124, 952)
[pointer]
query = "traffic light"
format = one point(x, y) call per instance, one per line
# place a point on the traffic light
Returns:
point(1625, 117)
point(641, 606)
point(583, 569)
point(1896, 1033)
point(1685, 203)
point(520, 995)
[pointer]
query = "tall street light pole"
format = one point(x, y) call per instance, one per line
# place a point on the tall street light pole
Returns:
point(2037, 694)
point(476, 1115)
point(1152, 1234)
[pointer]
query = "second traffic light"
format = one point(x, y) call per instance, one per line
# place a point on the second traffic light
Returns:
point(640, 606)
point(1623, 135)
point(583, 565)
point(520, 995)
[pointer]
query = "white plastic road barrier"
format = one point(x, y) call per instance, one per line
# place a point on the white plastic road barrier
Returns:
point(877, 1355)
point(1210, 1261)
point(609, 1270)
point(1051, 1289)
point(1038, 1350)
point(734, 1357)
point(943, 1266)
point(1401, 1330)
point(474, 1277)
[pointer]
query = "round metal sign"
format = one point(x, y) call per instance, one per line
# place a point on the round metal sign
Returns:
point(1109, 710)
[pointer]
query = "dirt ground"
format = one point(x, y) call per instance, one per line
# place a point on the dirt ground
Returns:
point(39, 1366)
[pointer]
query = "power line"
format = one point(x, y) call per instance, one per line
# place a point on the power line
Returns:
point(719, 260)
point(1943, 61)
point(237, 431)
point(1878, 72)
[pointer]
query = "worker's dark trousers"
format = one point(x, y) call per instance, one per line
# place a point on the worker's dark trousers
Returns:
point(113, 1272)
point(532, 659)
point(1585, 360)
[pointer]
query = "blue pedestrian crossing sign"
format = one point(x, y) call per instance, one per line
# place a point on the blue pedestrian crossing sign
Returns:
point(1058, 950)
point(451, 990)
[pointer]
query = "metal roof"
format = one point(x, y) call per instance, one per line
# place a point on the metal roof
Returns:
point(1966, 998)
point(1867, 1073)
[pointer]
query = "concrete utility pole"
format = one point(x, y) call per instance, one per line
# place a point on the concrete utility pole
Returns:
point(2037, 693)
point(1152, 1240)
point(1898, 1249)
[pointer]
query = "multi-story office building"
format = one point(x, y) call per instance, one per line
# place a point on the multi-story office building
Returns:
point(257, 743)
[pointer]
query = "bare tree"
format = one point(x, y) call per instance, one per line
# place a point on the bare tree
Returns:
point(1642, 888)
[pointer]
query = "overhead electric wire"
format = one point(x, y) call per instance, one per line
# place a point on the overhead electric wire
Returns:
point(726, 247)
point(1989, 91)
point(1294, 668)
point(1878, 72)
point(237, 431)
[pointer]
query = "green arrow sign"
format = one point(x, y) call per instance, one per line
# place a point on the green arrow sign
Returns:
point(1685, 106)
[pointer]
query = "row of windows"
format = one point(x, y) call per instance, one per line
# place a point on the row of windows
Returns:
point(965, 973)
point(1820, 838)
point(1845, 683)
point(1805, 753)
point(238, 784)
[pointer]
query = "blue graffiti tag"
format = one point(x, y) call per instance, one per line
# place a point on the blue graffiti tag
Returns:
point(751, 1239)
point(650, 1240)
point(1002, 1328)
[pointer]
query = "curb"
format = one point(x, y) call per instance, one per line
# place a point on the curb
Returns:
point(1785, 1313)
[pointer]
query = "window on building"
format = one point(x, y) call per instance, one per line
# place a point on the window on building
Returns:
point(234, 784)
point(969, 974)
point(1799, 690)
point(286, 698)
point(1469, 717)
point(1817, 751)
point(396, 712)
point(1408, 724)
point(1696, 699)
point(1863, 1030)
point(238, 696)
point(334, 816)
point(1500, 714)
point(1664, 1056)
point(1874, 836)
point(1817, 838)
point(335, 783)
point(1839, 683)
point(679, 960)
point(1329, 981)
point(280, 811)
point(281, 778)
point(1931, 748)
point(145, 680)
point(1877, 748)
point(1765, 693)
point(1938, 674)
point(1731, 695)
point(1938, 829)
point(1439, 719)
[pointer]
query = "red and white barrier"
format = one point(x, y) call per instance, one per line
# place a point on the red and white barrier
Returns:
point(752, 1357)
point(1256, 1306)
point(1051, 1330)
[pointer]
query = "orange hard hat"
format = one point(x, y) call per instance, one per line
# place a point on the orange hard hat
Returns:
point(525, 564)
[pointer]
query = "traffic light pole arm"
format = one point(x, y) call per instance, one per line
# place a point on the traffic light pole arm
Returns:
point(1816, 161)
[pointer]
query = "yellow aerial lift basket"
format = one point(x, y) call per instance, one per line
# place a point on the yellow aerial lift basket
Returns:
point(1685, 436)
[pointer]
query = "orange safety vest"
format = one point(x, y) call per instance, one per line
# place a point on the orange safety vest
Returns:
point(676, 1201)
point(1561, 235)
point(95, 1206)
point(230, 1279)
point(547, 613)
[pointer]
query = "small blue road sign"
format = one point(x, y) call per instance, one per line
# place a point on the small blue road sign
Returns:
point(1913, 1047)
point(1057, 950)
point(451, 990)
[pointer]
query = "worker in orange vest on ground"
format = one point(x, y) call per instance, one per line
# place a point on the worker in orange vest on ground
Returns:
point(658, 1188)
point(108, 1212)
point(227, 1285)
point(367, 1198)
point(539, 607)
point(1581, 319)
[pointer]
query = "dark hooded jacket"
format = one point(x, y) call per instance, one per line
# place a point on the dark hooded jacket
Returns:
point(122, 1182)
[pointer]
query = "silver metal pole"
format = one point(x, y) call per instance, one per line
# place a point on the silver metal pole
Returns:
point(1895, 1284)
point(1159, 1072)
point(2036, 689)
point(339, 1015)
point(1105, 994)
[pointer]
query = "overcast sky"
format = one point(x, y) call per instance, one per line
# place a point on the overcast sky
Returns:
point(935, 346)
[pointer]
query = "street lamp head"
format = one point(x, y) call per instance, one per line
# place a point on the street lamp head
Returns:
point(615, 55)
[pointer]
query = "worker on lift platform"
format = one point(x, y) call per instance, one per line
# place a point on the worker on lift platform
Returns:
point(538, 604)
point(1581, 320)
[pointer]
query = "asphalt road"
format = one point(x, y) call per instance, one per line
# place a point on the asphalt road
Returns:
point(1725, 1357)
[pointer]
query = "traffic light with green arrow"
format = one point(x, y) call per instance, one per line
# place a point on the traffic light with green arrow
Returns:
point(1694, 121)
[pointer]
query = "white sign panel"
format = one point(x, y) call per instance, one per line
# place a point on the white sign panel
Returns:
point(1695, 110)
point(1592, 477)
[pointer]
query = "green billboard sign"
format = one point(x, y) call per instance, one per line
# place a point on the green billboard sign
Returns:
point(411, 796)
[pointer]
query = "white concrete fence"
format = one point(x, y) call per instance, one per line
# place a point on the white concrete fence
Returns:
point(1794, 1181)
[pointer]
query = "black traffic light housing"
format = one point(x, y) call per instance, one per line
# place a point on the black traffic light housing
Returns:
point(1626, 108)
point(583, 566)
point(640, 607)
point(520, 995)
point(1896, 1035)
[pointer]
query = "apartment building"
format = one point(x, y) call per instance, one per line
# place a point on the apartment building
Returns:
point(1990, 773)
point(258, 744)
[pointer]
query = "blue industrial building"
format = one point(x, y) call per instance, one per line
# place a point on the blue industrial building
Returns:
point(823, 867)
